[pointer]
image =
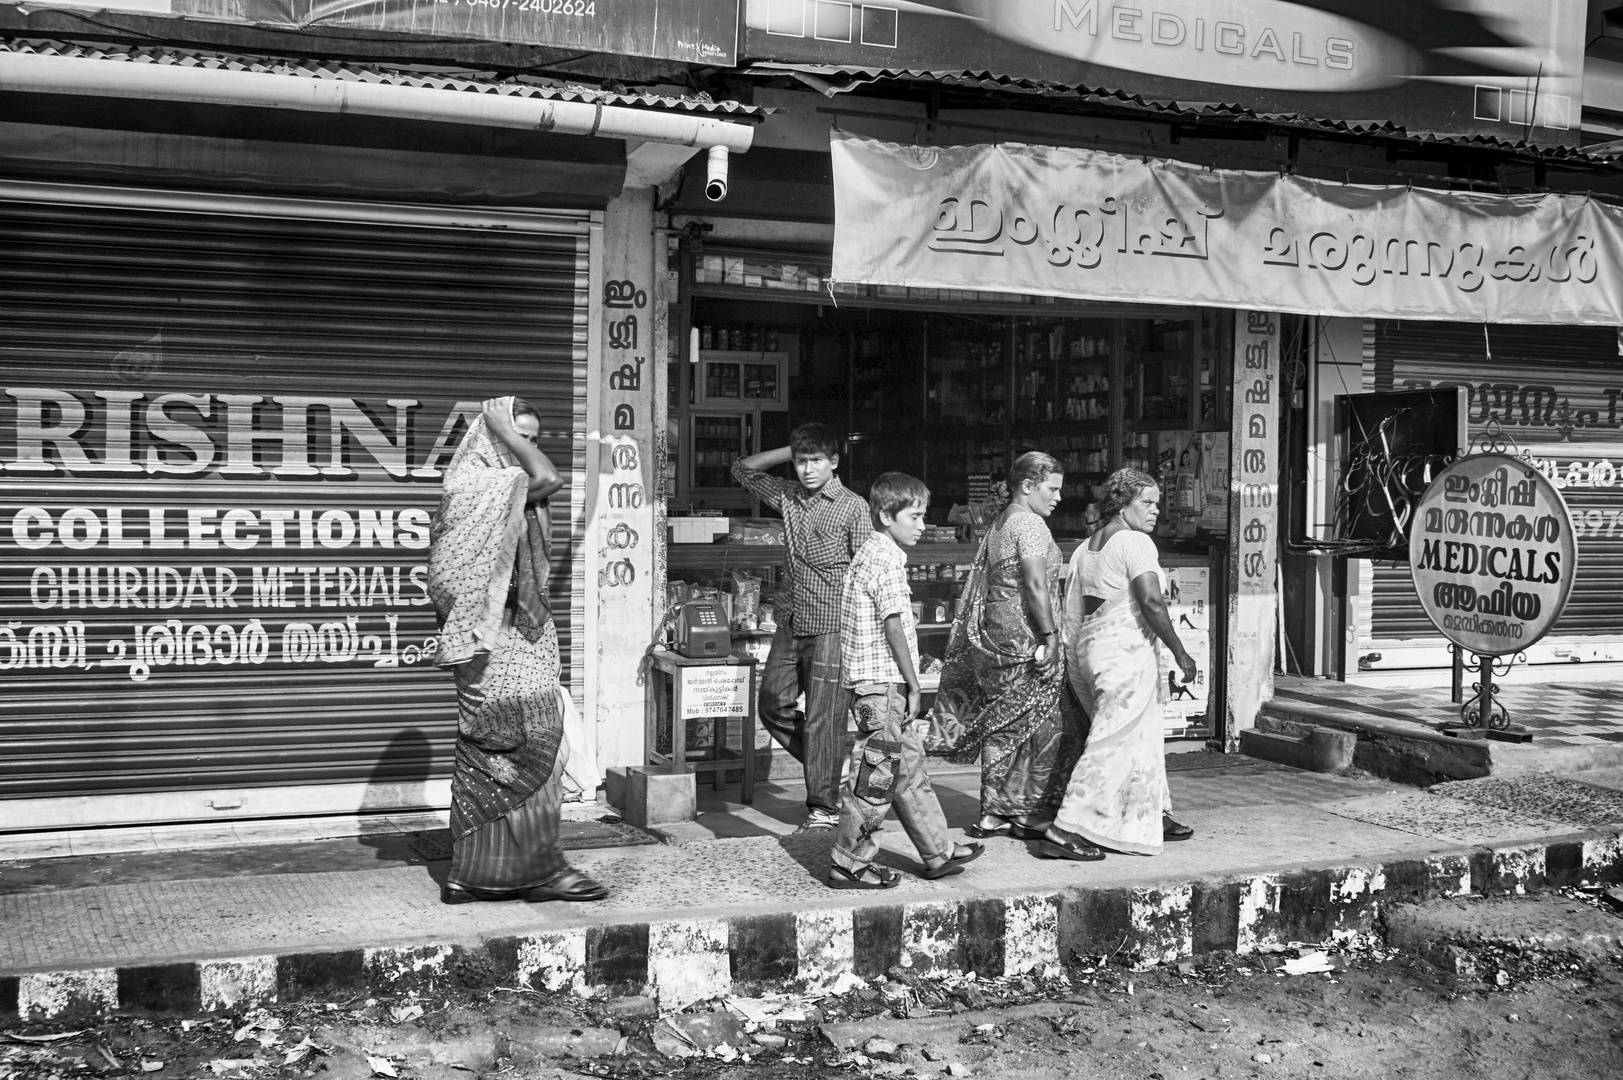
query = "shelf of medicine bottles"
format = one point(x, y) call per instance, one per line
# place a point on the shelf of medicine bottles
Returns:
point(723, 556)
point(1162, 352)
point(1099, 426)
point(741, 378)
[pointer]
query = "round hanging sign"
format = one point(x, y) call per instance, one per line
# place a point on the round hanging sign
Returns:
point(1492, 553)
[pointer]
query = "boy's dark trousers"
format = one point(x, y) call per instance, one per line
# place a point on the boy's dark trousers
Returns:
point(816, 738)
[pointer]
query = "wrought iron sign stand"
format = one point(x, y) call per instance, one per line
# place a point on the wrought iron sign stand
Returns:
point(1483, 715)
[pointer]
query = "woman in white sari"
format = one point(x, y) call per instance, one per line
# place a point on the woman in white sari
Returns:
point(1117, 799)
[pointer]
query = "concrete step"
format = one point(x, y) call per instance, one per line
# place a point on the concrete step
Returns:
point(1411, 752)
point(1405, 751)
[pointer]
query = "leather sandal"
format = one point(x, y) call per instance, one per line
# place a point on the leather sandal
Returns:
point(882, 878)
point(1008, 828)
point(1053, 849)
point(955, 864)
point(570, 885)
point(452, 893)
point(1173, 830)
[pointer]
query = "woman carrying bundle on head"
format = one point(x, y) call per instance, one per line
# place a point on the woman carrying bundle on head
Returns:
point(1003, 696)
point(487, 576)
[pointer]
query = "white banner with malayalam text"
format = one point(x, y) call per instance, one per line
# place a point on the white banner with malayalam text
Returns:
point(1057, 221)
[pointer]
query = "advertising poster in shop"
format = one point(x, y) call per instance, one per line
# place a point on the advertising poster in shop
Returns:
point(1188, 598)
point(1502, 68)
point(691, 31)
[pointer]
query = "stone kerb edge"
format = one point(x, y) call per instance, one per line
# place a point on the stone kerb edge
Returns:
point(684, 961)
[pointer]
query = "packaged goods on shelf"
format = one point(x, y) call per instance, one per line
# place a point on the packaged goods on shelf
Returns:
point(755, 531)
point(746, 601)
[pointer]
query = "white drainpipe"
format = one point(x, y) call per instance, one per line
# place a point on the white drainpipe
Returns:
point(33, 73)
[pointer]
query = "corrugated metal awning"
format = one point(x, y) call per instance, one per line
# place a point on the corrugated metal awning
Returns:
point(467, 80)
point(839, 80)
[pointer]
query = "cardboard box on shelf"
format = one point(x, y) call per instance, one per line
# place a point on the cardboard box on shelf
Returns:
point(697, 530)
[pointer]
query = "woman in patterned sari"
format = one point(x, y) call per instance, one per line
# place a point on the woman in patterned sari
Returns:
point(487, 576)
point(1002, 695)
point(1114, 614)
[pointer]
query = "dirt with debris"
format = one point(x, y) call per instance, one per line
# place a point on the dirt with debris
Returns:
point(1357, 1009)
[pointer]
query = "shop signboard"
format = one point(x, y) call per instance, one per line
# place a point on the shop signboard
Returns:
point(691, 31)
point(1060, 221)
point(218, 481)
point(1504, 68)
point(1492, 553)
point(714, 690)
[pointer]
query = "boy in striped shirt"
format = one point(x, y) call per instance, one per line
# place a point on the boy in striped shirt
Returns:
point(879, 659)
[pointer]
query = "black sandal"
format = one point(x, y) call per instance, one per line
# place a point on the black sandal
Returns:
point(1008, 829)
point(841, 878)
point(1173, 830)
point(570, 885)
point(1053, 849)
point(955, 864)
point(452, 893)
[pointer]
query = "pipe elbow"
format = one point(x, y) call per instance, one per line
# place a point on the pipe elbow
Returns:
point(715, 174)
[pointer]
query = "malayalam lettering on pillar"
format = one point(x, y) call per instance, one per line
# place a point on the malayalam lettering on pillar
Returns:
point(1253, 517)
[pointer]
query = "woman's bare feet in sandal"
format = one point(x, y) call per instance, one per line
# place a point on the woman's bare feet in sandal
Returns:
point(961, 854)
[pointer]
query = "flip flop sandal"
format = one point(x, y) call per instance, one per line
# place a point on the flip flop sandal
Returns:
point(572, 885)
point(946, 869)
point(971, 855)
point(980, 832)
point(955, 864)
point(1023, 832)
point(1049, 849)
point(841, 878)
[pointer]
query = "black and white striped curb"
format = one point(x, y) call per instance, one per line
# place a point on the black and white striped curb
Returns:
point(682, 961)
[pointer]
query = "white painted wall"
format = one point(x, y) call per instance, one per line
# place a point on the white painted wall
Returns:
point(626, 377)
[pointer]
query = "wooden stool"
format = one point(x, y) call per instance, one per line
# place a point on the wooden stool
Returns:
point(703, 689)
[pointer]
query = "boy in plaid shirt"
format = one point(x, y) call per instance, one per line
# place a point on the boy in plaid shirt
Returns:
point(879, 659)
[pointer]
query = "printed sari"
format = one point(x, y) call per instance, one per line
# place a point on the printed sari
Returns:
point(994, 703)
point(1118, 790)
point(487, 577)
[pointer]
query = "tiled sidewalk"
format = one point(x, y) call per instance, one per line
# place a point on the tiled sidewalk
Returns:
point(1557, 714)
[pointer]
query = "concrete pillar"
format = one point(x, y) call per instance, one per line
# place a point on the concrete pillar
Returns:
point(625, 379)
point(1253, 522)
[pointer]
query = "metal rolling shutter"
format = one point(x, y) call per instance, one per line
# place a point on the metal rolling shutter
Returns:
point(111, 309)
point(1559, 393)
